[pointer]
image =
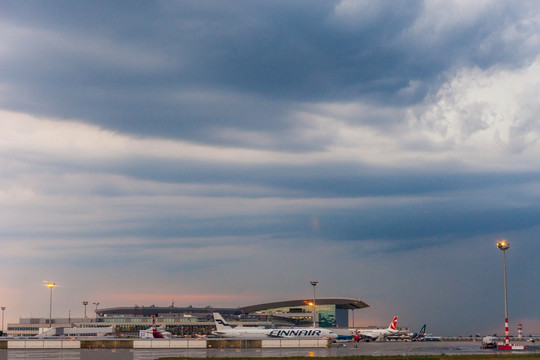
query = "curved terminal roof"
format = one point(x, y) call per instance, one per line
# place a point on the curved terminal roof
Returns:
point(340, 303)
point(147, 311)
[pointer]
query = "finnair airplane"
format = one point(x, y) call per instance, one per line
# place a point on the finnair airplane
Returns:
point(377, 334)
point(223, 329)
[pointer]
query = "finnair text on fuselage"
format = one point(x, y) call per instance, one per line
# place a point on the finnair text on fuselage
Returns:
point(296, 333)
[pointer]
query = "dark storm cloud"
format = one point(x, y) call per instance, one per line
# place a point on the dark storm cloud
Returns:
point(427, 207)
point(426, 224)
point(192, 69)
point(335, 179)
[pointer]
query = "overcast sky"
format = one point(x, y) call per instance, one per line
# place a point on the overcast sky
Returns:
point(225, 153)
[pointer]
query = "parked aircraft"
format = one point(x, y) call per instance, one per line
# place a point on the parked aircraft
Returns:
point(64, 331)
point(408, 336)
point(422, 336)
point(419, 336)
point(155, 332)
point(223, 329)
point(412, 336)
point(377, 334)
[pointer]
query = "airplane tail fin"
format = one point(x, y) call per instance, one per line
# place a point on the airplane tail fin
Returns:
point(422, 331)
point(221, 324)
point(157, 334)
point(393, 324)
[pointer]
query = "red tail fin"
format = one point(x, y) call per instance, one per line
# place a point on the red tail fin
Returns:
point(157, 334)
point(393, 324)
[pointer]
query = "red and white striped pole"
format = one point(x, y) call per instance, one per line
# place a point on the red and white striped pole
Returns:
point(506, 341)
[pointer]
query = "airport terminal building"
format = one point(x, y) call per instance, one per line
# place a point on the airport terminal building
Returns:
point(198, 321)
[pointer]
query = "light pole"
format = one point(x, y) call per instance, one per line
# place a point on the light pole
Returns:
point(314, 284)
point(3, 308)
point(96, 303)
point(503, 245)
point(85, 302)
point(51, 285)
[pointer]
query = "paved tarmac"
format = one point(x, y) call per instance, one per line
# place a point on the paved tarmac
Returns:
point(348, 349)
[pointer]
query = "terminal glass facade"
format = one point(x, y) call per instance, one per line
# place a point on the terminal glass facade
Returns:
point(327, 315)
point(303, 315)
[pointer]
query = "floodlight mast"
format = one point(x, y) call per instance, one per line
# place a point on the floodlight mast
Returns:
point(3, 309)
point(314, 284)
point(85, 303)
point(50, 285)
point(503, 246)
point(96, 303)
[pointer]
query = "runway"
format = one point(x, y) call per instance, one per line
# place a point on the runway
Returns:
point(350, 349)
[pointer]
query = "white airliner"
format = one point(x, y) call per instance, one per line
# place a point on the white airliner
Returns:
point(223, 329)
point(377, 334)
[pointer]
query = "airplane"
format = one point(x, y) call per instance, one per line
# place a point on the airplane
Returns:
point(155, 332)
point(45, 333)
point(377, 334)
point(423, 336)
point(223, 329)
point(419, 336)
point(408, 336)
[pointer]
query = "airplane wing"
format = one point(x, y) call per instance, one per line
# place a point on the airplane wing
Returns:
point(219, 332)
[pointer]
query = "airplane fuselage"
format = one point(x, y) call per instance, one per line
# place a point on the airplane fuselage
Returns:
point(379, 334)
point(242, 333)
point(374, 334)
point(314, 333)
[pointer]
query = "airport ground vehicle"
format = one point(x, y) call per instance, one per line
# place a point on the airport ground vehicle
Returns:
point(489, 342)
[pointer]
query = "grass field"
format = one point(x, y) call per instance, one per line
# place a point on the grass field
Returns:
point(412, 357)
